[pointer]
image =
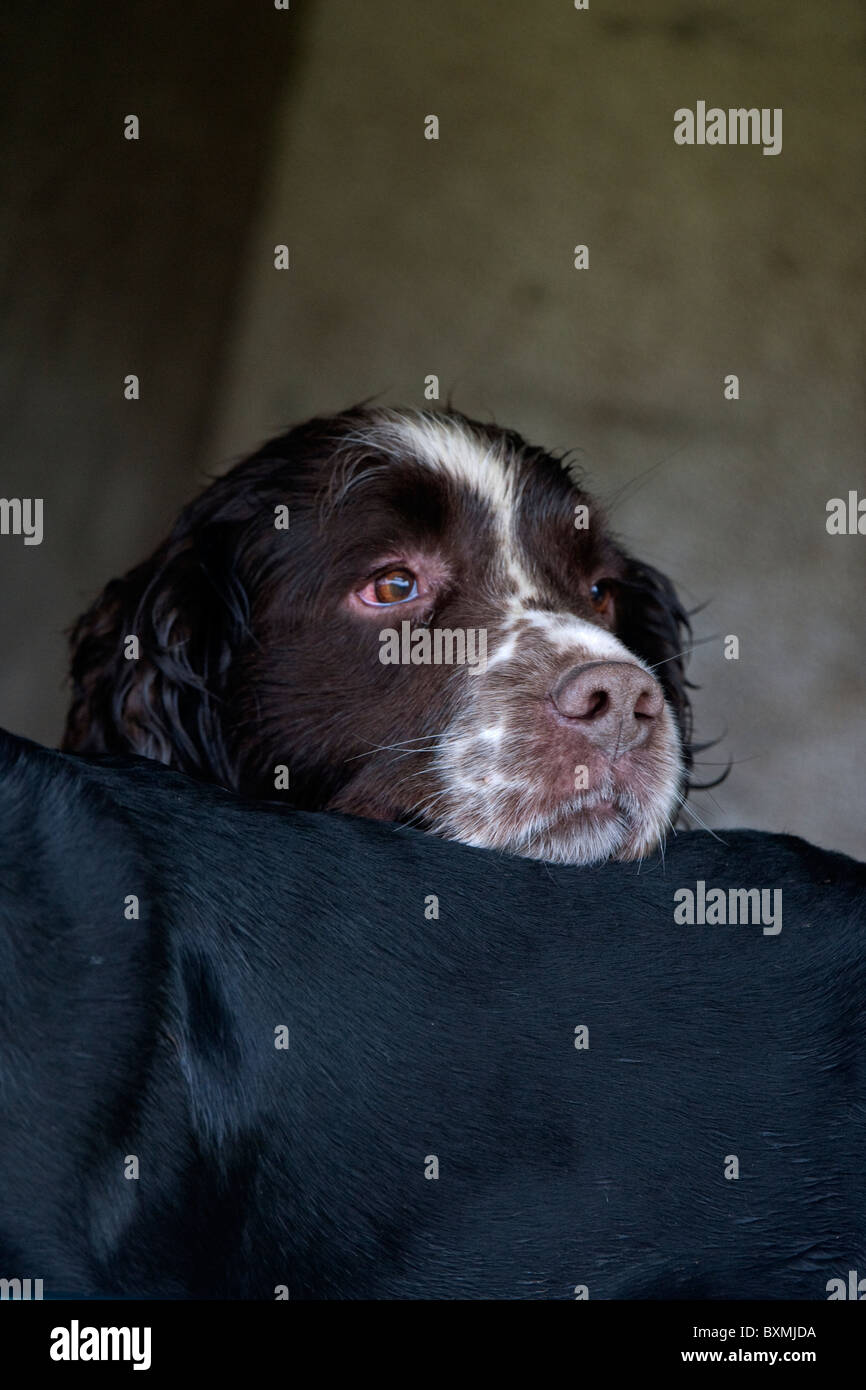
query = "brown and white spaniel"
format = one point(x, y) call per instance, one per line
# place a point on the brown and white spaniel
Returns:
point(410, 616)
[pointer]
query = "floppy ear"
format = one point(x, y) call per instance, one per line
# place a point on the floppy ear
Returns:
point(653, 623)
point(188, 609)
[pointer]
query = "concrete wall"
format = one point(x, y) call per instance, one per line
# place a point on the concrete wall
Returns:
point(115, 257)
point(454, 257)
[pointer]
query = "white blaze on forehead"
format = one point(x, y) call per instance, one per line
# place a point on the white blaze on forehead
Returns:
point(452, 449)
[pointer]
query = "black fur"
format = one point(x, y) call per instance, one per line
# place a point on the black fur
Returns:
point(411, 1037)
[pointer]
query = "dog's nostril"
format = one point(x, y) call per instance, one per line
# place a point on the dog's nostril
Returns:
point(596, 703)
point(649, 702)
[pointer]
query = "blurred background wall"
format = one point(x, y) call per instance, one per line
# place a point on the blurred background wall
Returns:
point(454, 257)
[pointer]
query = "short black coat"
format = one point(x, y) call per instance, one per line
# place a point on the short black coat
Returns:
point(411, 1037)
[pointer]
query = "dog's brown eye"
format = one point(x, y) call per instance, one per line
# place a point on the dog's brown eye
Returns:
point(395, 586)
point(601, 594)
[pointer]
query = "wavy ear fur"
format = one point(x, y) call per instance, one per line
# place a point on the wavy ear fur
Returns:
point(653, 623)
point(188, 607)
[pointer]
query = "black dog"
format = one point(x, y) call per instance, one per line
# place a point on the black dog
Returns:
point(247, 1051)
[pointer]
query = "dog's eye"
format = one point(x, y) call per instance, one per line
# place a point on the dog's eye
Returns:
point(601, 594)
point(394, 586)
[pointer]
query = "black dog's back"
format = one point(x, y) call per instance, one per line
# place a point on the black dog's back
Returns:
point(439, 1123)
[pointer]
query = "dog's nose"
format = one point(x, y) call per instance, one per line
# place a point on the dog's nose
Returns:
point(613, 703)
